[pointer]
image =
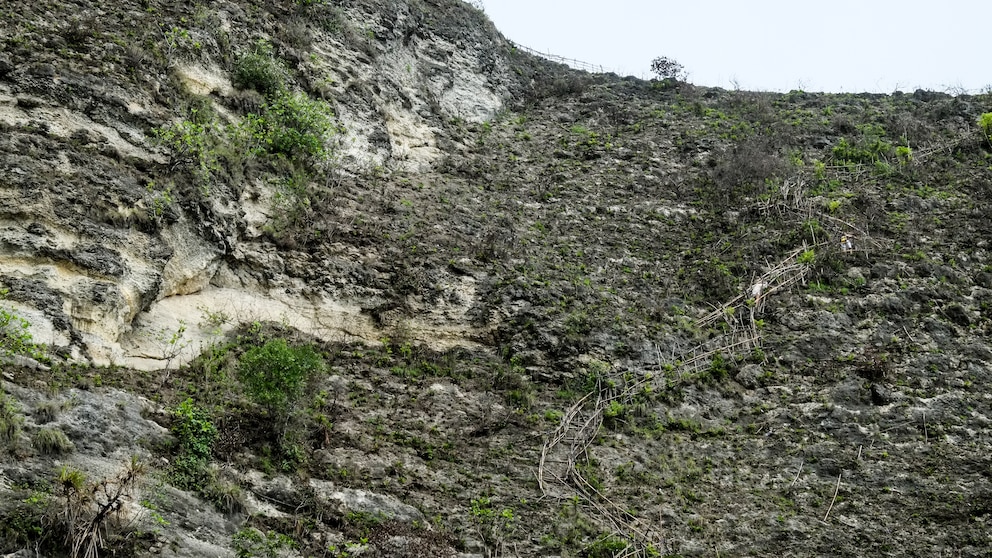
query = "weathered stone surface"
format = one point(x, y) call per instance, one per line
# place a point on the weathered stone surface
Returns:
point(349, 500)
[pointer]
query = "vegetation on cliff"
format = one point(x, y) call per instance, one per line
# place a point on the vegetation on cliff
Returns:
point(596, 316)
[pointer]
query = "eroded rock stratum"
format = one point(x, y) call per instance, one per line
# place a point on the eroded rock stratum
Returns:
point(91, 227)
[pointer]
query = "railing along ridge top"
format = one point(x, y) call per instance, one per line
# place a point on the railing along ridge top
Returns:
point(571, 62)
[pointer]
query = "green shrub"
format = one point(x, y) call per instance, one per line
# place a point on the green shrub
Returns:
point(259, 70)
point(870, 148)
point(614, 409)
point(192, 144)
point(196, 433)
point(70, 480)
point(492, 524)
point(985, 122)
point(719, 368)
point(194, 429)
point(614, 414)
point(15, 338)
point(904, 154)
point(275, 373)
point(807, 257)
point(252, 543)
point(14, 335)
point(51, 441)
point(292, 125)
point(23, 521)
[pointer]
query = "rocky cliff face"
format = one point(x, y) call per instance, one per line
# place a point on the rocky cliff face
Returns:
point(358, 278)
point(103, 257)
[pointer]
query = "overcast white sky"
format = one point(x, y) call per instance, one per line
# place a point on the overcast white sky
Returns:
point(773, 45)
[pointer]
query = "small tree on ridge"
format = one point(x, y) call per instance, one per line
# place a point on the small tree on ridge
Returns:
point(668, 68)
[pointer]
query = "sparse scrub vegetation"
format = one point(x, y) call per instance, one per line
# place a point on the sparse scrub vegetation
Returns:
point(91, 515)
point(192, 144)
point(51, 441)
point(258, 69)
point(493, 525)
point(47, 412)
point(252, 543)
point(743, 172)
point(11, 421)
point(985, 123)
point(15, 336)
point(282, 133)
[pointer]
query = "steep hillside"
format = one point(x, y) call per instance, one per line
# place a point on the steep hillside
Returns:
point(359, 278)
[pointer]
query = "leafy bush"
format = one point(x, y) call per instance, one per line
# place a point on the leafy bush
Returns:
point(192, 146)
point(614, 414)
point(293, 125)
point(23, 521)
point(985, 122)
point(904, 154)
point(719, 368)
point(493, 525)
point(260, 71)
point(15, 338)
point(275, 373)
point(196, 434)
point(51, 441)
point(614, 409)
point(194, 429)
point(870, 148)
point(252, 543)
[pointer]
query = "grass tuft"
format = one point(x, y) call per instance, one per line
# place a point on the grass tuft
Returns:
point(51, 441)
